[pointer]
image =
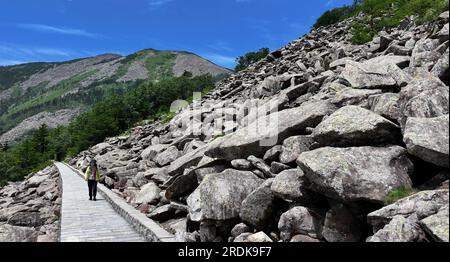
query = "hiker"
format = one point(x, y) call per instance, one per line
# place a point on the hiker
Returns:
point(92, 177)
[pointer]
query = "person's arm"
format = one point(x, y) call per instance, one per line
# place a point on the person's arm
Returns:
point(99, 175)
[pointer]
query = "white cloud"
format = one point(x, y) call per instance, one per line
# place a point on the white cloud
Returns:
point(7, 62)
point(222, 60)
point(221, 46)
point(58, 30)
point(154, 4)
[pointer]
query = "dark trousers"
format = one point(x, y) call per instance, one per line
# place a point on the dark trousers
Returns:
point(92, 184)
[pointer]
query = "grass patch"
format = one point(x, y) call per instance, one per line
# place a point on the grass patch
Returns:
point(397, 194)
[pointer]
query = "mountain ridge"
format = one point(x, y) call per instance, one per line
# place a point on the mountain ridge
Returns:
point(29, 89)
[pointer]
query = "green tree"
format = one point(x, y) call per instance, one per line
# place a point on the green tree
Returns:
point(252, 57)
point(41, 139)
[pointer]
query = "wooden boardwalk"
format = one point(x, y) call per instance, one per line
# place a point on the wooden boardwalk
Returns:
point(89, 221)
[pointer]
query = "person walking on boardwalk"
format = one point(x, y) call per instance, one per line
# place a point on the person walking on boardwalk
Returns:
point(92, 176)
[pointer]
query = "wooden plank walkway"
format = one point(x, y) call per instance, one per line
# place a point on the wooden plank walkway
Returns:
point(89, 221)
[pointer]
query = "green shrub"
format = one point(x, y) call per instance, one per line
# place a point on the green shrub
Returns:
point(361, 34)
point(382, 14)
point(250, 58)
point(398, 194)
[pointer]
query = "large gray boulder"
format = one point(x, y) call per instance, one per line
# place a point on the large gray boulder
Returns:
point(268, 131)
point(188, 160)
point(385, 105)
point(300, 220)
point(293, 147)
point(440, 69)
point(352, 96)
point(357, 173)
point(426, 97)
point(422, 204)
point(400, 229)
point(258, 208)
point(371, 75)
point(437, 225)
point(9, 233)
point(220, 196)
point(356, 126)
point(149, 194)
point(289, 185)
point(167, 157)
point(427, 138)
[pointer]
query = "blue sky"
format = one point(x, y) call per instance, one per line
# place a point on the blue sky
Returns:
point(219, 30)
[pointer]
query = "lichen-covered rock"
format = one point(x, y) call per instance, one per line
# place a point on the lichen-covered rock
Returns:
point(289, 185)
point(347, 174)
point(9, 233)
point(400, 229)
point(263, 134)
point(220, 196)
point(300, 220)
point(422, 204)
point(428, 139)
point(167, 157)
point(258, 208)
point(293, 147)
point(437, 225)
point(356, 126)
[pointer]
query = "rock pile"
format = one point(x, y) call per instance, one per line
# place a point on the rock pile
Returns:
point(341, 128)
point(30, 210)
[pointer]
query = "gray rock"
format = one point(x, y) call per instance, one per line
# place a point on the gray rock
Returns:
point(258, 208)
point(440, 69)
point(186, 161)
point(347, 173)
point(351, 96)
point(259, 237)
point(289, 185)
point(260, 165)
point(400, 229)
point(361, 75)
point(162, 213)
point(36, 180)
point(437, 225)
point(182, 185)
point(304, 239)
point(240, 229)
point(152, 151)
point(427, 138)
point(356, 126)
point(220, 196)
point(424, 53)
point(300, 220)
point(241, 164)
point(273, 154)
point(9, 233)
point(26, 219)
point(149, 194)
point(341, 225)
point(276, 168)
point(385, 105)
point(168, 156)
point(426, 96)
point(263, 134)
point(293, 147)
point(422, 204)
point(384, 61)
